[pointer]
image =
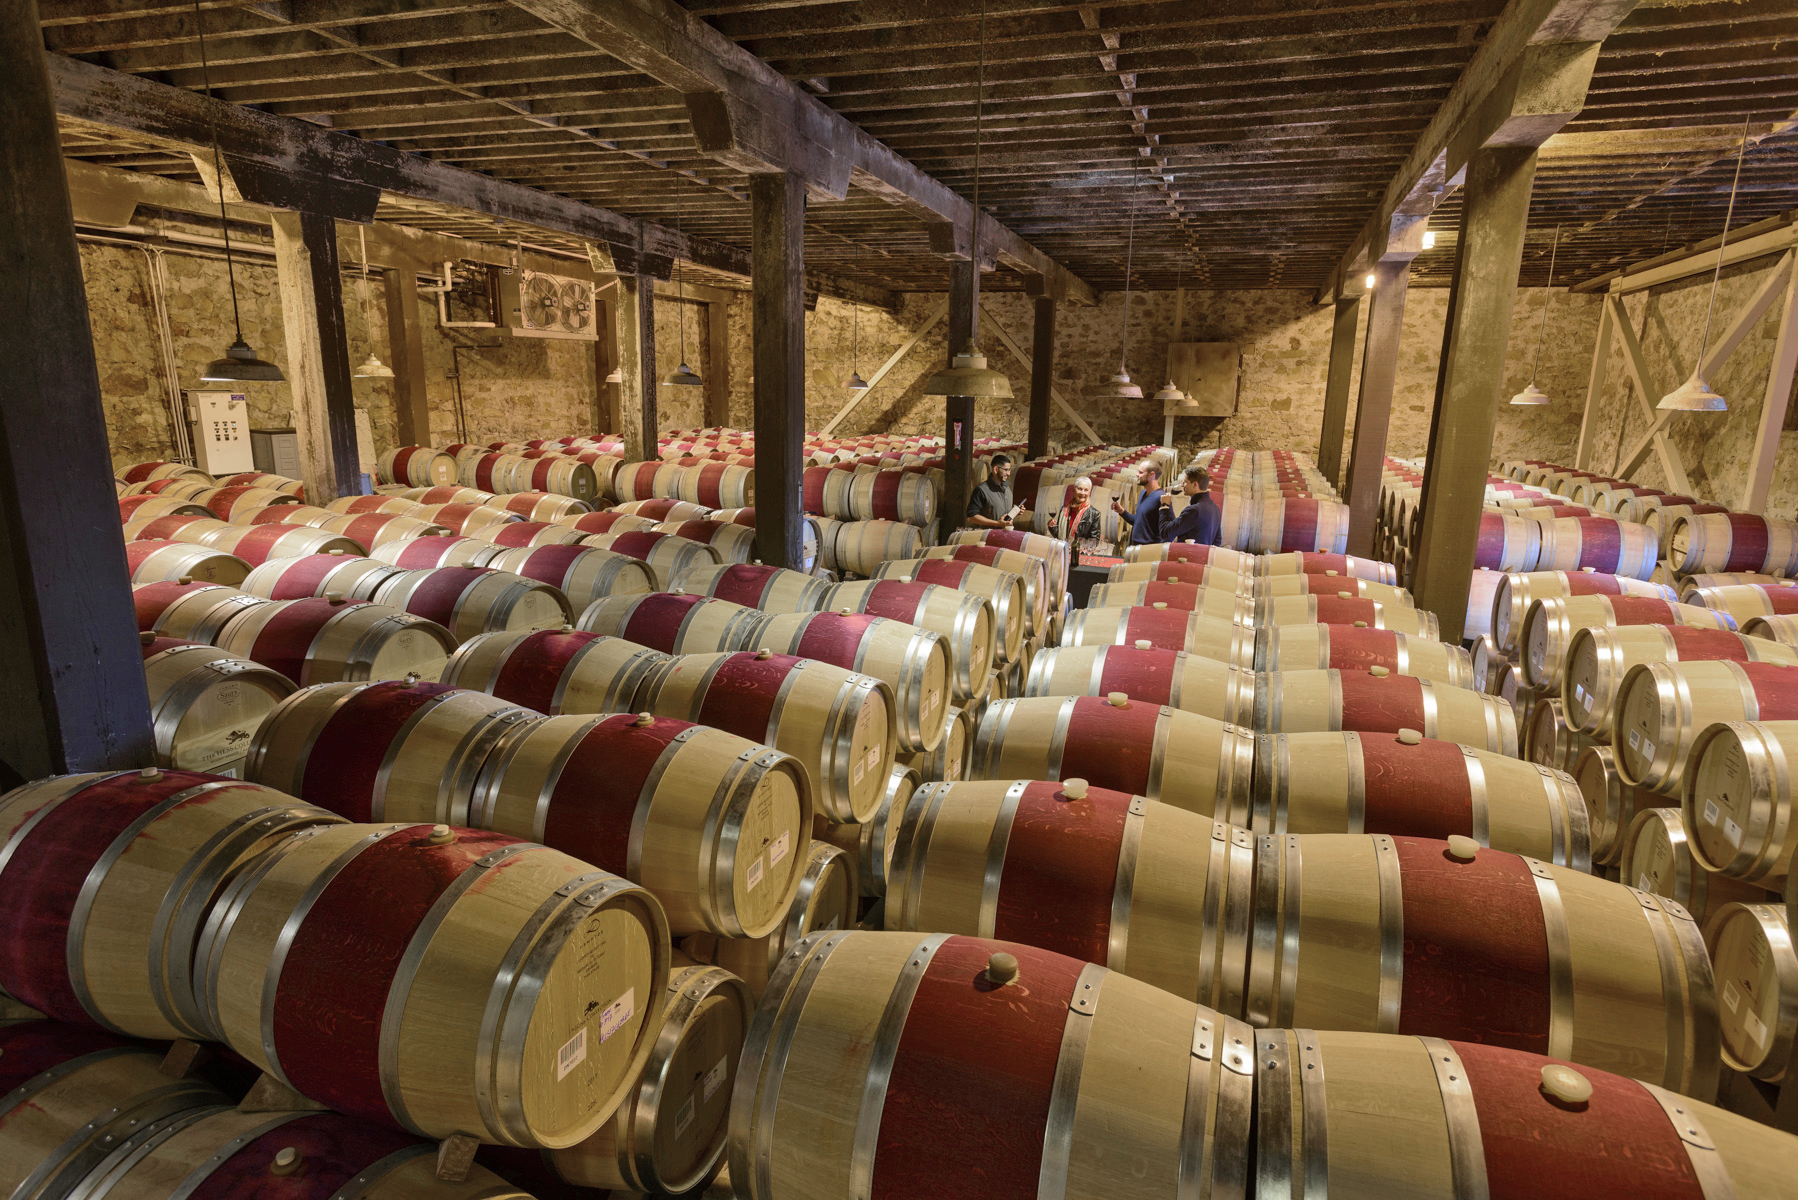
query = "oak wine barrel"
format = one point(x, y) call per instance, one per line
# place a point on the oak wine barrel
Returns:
point(1301, 562)
point(949, 760)
point(417, 554)
point(1345, 609)
point(1661, 709)
point(1163, 629)
point(417, 466)
point(1657, 858)
point(205, 704)
point(1347, 648)
point(1611, 804)
point(467, 600)
point(668, 557)
point(1004, 591)
point(1598, 658)
point(1190, 682)
point(1224, 604)
point(1751, 951)
point(674, 622)
point(1737, 801)
point(1371, 702)
point(554, 671)
point(165, 561)
point(825, 901)
point(771, 589)
point(584, 574)
point(349, 575)
point(963, 621)
point(912, 662)
point(1549, 627)
point(190, 611)
point(1730, 541)
point(327, 639)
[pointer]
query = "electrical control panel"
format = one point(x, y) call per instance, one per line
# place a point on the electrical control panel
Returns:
point(221, 424)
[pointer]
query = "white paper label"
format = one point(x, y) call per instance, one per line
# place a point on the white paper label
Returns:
point(1731, 997)
point(1635, 739)
point(1711, 812)
point(1644, 883)
point(755, 873)
point(714, 1078)
point(1584, 697)
point(1647, 750)
point(620, 1011)
point(873, 757)
point(778, 850)
point(683, 1118)
point(1733, 832)
point(1757, 1028)
point(856, 774)
point(571, 1055)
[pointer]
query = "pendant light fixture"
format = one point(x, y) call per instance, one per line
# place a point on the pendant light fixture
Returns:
point(1533, 394)
point(856, 382)
point(1119, 386)
point(240, 364)
point(1695, 395)
point(683, 376)
point(374, 368)
point(968, 375)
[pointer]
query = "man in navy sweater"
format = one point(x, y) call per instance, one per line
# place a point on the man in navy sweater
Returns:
point(1145, 522)
point(1201, 519)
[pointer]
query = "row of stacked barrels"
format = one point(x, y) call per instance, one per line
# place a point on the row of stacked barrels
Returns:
point(1152, 1068)
point(1274, 501)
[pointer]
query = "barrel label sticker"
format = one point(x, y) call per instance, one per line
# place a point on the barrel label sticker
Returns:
point(1582, 695)
point(1757, 1029)
point(755, 873)
point(572, 1054)
point(1711, 812)
point(683, 1118)
point(778, 850)
point(858, 772)
point(1731, 997)
point(1647, 750)
point(873, 757)
point(617, 1014)
point(1733, 832)
point(714, 1078)
point(1635, 739)
point(1644, 882)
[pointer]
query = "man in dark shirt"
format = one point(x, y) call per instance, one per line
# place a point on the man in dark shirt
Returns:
point(989, 504)
point(1145, 522)
point(1201, 519)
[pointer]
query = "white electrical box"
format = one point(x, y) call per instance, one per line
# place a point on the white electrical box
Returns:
point(221, 422)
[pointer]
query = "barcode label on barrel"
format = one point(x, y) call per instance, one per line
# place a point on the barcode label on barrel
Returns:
point(617, 1013)
point(1732, 999)
point(571, 1055)
point(755, 874)
point(714, 1078)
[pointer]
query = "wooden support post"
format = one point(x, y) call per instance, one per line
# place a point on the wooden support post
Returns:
point(318, 354)
point(958, 411)
point(717, 369)
point(636, 325)
point(1336, 388)
point(1601, 357)
point(1773, 407)
point(777, 260)
point(70, 674)
point(405, 343)
point(1373, 411)
point(1495, 211)
point(608, 414)
point(1042, 376)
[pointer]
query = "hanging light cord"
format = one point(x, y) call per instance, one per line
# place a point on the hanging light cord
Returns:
point(218, 170)
point(979, 123)
point(1129, 259)
point(855, 339)
point(1717, 275)
point(680, 285)
point(1546, 301)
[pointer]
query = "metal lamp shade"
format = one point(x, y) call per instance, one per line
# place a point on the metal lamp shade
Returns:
point(1530, 395)
point(969, 376)
point(240, 365)
point(1694, 395)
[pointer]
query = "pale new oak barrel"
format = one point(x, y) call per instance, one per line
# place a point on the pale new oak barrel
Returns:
point(1602, 543)
point(715, 825)
point(418, 466)
point(1746, 601)
point(1145, 888)
point(1657, 857)
point(668, 557)
point(418, 553)
point(185, 488)
point(370, 530)
point(529, 535)
point(558, 475)
point(1546, 738)
point(1507, 543)
point(258, 544)
point(861, 546)
point(450, 494)
point(1172, 677)
point(893, 1035)
point(663, 509)
point(1345, 610)
point(1234, 561)
point(891, 496)
point(1390, 934)
point(1032, 570)
point(1736, 804)
point(1005, 592)
point(669, 1134)
point(584, 574)
point(190, 611)
point(912, 662)
point(105, 880)
point(219, 1153)
point(1224, 604)
point(1730, 541)
point(837, 723)
point(871, 843)
point(227, 502)
point(331, 640)
point(540, 506)
point(1599, 658)
point(1368, 702)
point(609, 521)
point(1516, 592)
point(1053, 551)
point(378, 503)
point(733, 543)
point(1549, 627)
point(145, 471)
point(1348, 648)
point(771, 589)
point(185, 527)
point(147, 508)
point(1180, 758)
point(442, 980)
point(1164, 629)
point(674, 623)
point(554, 671)
point(1303, 563)
point(1371, 1116)
point(349, 575)
point(825, 901)
point(1325, 585)
point(1210, 578)
point(206, 703)
point(467, 600)
point(963, 621)
point(1611, 804)
point(68, 1096)
point(949, 760)
point(1663, 707)
point(156, 561)
point(1732, 578)
point(464, 519)
point(1757, 974)
point(1380, 783)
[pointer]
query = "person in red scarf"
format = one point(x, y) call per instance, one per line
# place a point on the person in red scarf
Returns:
point(1079, 520)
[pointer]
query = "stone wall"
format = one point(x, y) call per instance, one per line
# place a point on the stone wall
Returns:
point(1715, 447)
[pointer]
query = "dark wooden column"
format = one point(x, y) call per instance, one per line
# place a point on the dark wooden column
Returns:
point(777, 266)
point(1495, 209)
point(958, 411)
point(638, 422)
point(717, 368)
point(607, 417)
point(405, 342)
point(318, 354)
point(1373, 410)
point(70, 673)
point(1042, 376)
point(1336, 389)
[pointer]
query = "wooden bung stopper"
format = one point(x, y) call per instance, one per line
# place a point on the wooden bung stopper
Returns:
point(762, 655)
point(1379, 672)
point(145, 638)
point(1117, 699)
point(1462, 847)
point(1073, 789)
point(1144, 643)
point(441, 835)
point(286, 1161)
point(1409, 737)
point(1002, 968)
point(644, 720)
point(1565, 1084)
point(149, 774)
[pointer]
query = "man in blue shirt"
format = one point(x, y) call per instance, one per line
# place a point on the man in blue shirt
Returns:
point(1145, 522)
point(1201, 519)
